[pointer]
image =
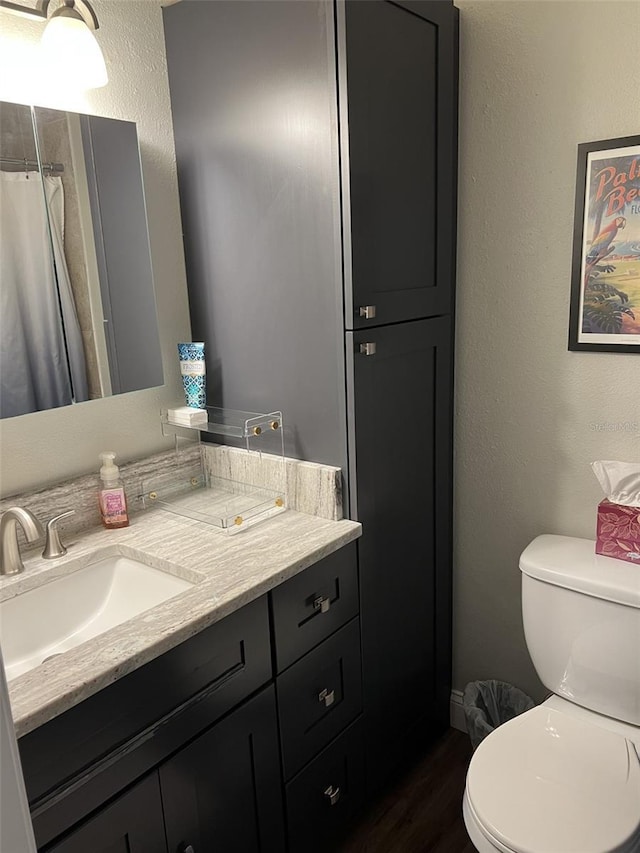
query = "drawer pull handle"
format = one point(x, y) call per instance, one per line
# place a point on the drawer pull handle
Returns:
point(368, 348)
point(327, 696)
point(322, 604)
point(332, 794)
point(367, 311)
point(186, 848)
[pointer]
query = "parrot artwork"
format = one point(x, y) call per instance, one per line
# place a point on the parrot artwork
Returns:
point(602, 245)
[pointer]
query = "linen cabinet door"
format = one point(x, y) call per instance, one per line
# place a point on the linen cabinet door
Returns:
point(133, 823)
point(397, 75)
point(223, 791)
point(401, 492)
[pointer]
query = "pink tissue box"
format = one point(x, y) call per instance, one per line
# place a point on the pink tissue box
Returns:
point(618, 532)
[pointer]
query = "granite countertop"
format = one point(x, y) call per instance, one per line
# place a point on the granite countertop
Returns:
point(228, 571)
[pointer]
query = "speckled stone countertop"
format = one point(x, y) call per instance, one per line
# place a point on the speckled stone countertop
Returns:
point(228, 571)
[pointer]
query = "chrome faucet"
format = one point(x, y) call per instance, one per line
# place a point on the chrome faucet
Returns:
point(53, 547)
point(10, 559)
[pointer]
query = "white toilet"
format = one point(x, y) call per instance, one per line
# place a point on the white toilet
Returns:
point(565, 776)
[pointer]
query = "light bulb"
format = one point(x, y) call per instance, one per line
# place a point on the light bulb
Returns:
point(70, 49)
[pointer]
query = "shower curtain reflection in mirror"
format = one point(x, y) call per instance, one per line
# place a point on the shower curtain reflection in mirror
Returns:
point(42, 363)
point(77, 303)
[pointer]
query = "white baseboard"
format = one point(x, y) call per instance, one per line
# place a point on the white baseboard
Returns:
point(456, 712)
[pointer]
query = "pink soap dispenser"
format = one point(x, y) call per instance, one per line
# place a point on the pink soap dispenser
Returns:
point(111, 497)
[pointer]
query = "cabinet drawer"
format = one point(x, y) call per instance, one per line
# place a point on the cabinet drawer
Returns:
point(314, 604)
point(319, 696)
point(325, 796)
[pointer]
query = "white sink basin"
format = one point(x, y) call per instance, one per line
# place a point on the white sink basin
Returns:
point(65, 612)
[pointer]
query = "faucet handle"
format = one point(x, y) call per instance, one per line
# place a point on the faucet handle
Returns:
point(53, 547)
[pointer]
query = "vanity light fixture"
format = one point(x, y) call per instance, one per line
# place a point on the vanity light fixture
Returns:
point(68, 42)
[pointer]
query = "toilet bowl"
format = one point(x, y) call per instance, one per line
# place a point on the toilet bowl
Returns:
point(555, 779)
point(564, 777)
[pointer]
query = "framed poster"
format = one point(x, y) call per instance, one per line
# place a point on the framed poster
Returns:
point(605, 290)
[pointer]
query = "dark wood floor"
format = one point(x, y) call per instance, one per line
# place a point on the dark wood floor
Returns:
point(423, 812)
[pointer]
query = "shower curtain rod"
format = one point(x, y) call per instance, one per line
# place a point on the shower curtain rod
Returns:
point(31, 164)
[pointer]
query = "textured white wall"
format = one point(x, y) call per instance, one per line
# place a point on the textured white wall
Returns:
point(537, 78)
point(48, 446)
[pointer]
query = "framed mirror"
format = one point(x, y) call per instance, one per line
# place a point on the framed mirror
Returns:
point(77, 306)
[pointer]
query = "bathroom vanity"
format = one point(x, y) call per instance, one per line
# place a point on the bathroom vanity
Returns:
point(227, 717)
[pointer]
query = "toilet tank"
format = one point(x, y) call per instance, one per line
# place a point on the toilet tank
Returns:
point(581, 616)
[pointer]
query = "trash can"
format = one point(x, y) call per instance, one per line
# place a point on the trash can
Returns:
point(488, 704)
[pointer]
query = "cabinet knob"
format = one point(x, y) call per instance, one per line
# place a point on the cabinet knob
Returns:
point(368, 348)
point(327, 696)
point(322, 604)
point(332, 794)
point(367, 311)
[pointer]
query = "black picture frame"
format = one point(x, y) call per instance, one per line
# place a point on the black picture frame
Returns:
point(594, 295)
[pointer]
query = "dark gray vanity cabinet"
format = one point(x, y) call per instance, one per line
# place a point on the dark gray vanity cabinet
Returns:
point(77, 761)
point(133, 823)
point(223, 791)
point(316, 147)
point(316, 633)
point(142, 724)
point(209, 746)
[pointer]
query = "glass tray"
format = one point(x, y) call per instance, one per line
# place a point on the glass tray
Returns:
point(226, 504)
point(229, 422)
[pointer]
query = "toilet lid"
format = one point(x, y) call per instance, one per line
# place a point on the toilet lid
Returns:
point(548, 781)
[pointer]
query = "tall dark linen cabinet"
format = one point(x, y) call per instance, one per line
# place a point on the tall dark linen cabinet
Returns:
point(316, 147)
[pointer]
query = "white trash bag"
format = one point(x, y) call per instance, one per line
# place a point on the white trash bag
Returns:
point(488, 704)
